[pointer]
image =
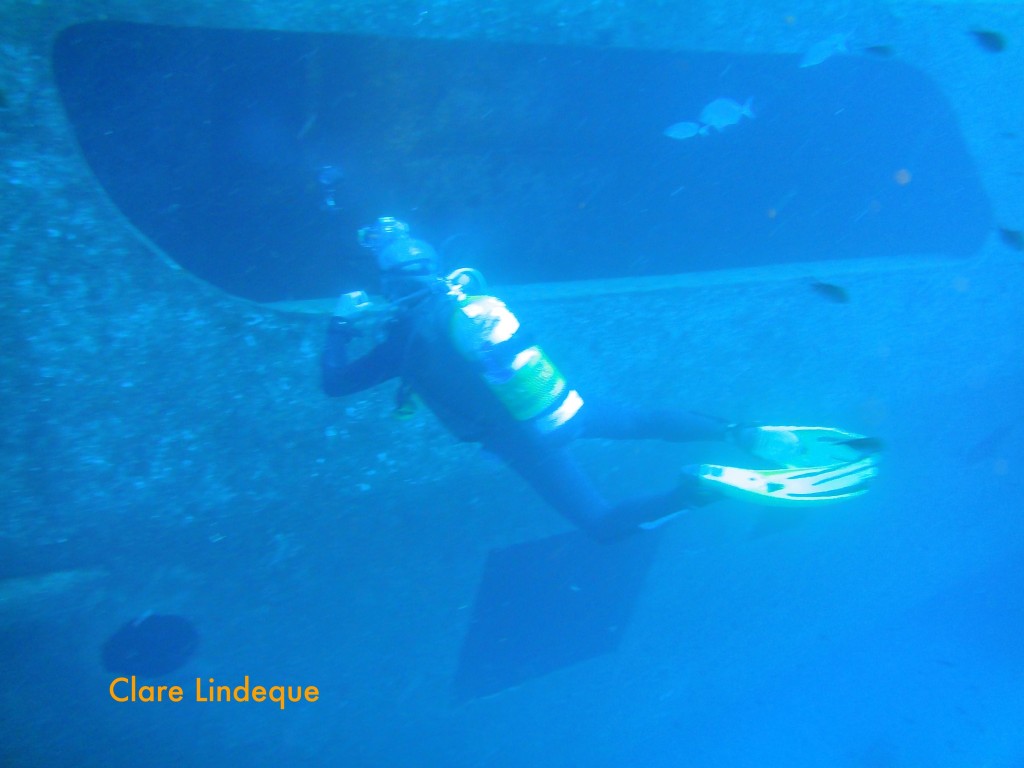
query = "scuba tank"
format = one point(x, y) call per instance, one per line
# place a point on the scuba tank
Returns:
point(519, 373)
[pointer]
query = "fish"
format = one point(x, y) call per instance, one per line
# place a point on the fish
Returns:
point(723, 112)
point(881, 51)
point(150, 645)
point(824, 50)
point(990, 40)
point(686, 130)
point(834, 293)
point(1012, 237)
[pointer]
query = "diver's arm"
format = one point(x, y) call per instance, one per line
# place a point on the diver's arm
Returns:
point(342, 376)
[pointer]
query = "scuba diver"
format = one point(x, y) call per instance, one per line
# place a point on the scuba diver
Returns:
point(465, 355)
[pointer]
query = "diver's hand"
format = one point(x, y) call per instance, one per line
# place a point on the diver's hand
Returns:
point(352, 305)
point(355, 314)
point(349, 315)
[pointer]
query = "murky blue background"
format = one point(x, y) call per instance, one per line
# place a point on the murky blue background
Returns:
point(884, 632)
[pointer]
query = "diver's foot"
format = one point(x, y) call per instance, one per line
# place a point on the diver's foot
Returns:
point(691, 492)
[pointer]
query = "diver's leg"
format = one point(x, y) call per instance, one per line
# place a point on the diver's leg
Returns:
point(558, 479)
point(615, 421)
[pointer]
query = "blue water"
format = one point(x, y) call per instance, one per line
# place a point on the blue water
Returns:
point(881, 633)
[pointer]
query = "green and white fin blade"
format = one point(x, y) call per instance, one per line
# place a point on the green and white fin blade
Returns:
point(813, 446)
point(795, 487)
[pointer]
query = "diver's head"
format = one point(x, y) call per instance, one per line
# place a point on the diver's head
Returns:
point(408, 257)
point(406, 265)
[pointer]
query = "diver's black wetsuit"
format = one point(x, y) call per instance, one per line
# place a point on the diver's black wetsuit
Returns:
point(419, 350)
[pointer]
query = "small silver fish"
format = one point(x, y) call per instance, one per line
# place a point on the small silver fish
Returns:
point(990, 40)
point(723, 112)
point(826, 49)
point(832, 292)
point(686, 130)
